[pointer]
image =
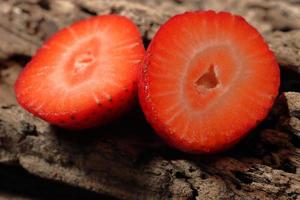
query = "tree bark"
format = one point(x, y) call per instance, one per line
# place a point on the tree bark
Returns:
point(126, 159)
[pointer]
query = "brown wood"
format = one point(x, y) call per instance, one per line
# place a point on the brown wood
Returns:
point(126, 159)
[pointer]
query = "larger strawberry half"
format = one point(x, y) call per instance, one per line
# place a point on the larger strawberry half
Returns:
point(85, 75)
point(207, 79)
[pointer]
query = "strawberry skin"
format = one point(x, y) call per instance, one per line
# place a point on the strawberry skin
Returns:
point(85, 75)
point(207, 79)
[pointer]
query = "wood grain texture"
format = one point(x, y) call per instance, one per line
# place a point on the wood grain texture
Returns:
point(126, 159)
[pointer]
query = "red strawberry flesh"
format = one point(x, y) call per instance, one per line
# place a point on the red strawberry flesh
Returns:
point(208, 78)
point(85, 75)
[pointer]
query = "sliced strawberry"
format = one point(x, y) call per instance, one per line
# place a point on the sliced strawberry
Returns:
point(85, 75)
point(207, 79)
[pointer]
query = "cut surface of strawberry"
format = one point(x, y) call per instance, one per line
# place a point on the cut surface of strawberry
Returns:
point(84, 75)
point(207, 79)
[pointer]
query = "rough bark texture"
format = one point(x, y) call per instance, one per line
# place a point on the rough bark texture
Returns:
point(126, 159)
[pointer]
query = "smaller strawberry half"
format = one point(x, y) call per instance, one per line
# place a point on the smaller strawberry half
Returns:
point(85, 75)
point(208, 78)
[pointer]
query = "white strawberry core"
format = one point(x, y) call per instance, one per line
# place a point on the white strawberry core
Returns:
point(208, 80)
point(83, 61)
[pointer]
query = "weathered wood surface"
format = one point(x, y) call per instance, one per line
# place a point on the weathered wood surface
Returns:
point(126, 159)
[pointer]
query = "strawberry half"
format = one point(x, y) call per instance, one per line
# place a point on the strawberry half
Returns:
point(207, 79)
point(85, 75)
